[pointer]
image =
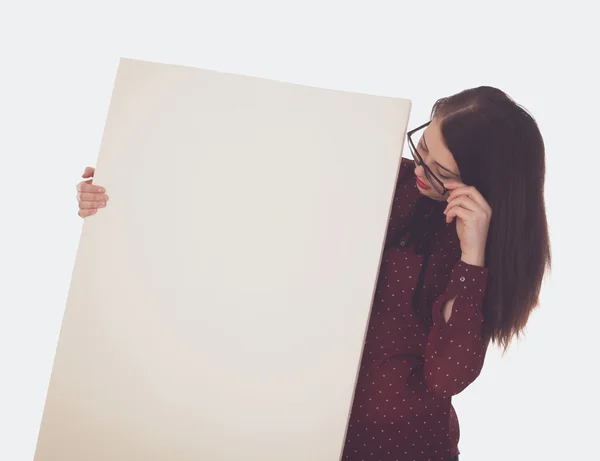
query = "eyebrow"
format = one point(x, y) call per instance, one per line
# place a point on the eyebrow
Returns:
point(441, 166)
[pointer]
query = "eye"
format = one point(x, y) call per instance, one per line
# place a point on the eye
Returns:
point(443, 176)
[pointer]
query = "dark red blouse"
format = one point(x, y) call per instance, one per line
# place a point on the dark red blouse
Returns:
point(412, 365)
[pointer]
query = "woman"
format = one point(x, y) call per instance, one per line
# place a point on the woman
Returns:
point(466, 251)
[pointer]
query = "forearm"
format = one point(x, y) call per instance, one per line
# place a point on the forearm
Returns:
point(456, 348)
point(475, 259)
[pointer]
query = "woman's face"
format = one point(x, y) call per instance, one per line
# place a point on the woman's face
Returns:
point(438, 158)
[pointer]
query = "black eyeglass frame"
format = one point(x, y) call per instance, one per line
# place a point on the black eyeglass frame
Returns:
point(433, 179)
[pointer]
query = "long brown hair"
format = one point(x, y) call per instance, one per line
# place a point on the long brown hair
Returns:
point(499, 149)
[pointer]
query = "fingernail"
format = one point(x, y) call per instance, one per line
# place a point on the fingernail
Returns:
point(101, 190)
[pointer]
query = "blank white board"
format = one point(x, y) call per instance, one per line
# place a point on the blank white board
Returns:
point(219, 304)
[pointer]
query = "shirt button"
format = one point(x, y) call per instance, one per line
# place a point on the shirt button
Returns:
point(462, 279)
point(402, 243)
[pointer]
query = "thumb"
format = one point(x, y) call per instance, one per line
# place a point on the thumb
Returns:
point(89, 172)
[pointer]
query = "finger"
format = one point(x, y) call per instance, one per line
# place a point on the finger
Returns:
point(462, 189)
point(472, 193)
point(466, 202)
point(460, 212)
point(453, 187)
point(87, 186)
point(453, 184)
point(86, 213)
point(91, 197)
point(88, 172)
point(89, 205)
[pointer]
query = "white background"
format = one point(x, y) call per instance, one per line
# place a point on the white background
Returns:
point(58, 63)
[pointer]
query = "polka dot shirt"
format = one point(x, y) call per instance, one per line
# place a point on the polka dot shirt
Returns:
point(413, 364)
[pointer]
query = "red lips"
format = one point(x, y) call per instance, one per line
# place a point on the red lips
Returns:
point(421, 184)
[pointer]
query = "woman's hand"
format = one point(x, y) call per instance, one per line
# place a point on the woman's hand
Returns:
point(473, 214)
point(90, 197)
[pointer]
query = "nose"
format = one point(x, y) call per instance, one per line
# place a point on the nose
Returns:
point(419, 170)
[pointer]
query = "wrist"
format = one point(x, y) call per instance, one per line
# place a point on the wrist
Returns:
point(474, 259)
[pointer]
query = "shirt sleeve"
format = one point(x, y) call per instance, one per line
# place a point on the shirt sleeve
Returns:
point(455, 349)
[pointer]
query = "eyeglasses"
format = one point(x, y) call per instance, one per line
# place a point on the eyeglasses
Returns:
point(437, 183)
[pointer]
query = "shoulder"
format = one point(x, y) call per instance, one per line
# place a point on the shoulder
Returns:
point(406, 187)
point(407, 167)
point(405, 195)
